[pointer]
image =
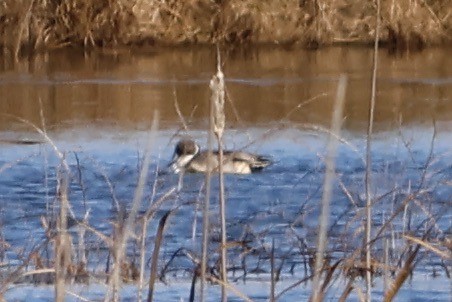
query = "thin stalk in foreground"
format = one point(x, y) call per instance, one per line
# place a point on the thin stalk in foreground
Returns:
point(148, 216)
point(155, 255)
point(126, 230)
point(272, 272)
point(205, 210)
point(217, 100)
point(223, 249)
point(368, 226)
point(62, 242)
point(330, 165)
point(143, 238)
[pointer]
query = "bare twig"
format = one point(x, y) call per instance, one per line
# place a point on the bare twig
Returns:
point(272, 272)
point(179, 113)
point(205, 211)
point(155, 254)
point(402, 275)
point(443, 254)
point(369, 157)
point(231, 288)
point(150, 212)
point(24, 24)
point(336, 123)
point(125, 231)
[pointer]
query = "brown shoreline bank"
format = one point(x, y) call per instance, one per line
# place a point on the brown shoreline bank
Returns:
point(36, 24)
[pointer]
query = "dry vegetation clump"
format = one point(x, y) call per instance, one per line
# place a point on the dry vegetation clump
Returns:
point(53, 23)
point(413, 24)
point(175, 22)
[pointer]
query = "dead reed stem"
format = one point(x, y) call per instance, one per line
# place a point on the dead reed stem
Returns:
point(195, 214)
point(348, 289)
point(292, 286)
point(336, 123)
point(155, 254)
point(46, 161)
point(62, 241)
point(65, 207)
point(386, 272)
point(404, 272)
point(179, 113)
point(24, 27)
point(126, 230)
point(446, 254)
point(231, 288)
point(150, 212)
point(368, 226)
point(217, 100)
point(205, 210)
point(272, 272)
point(191, 298)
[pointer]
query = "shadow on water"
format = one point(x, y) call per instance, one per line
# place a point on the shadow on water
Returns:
point(98, 108)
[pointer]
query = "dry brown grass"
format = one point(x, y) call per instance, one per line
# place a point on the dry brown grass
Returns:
point(52, 23)
point(36, 24)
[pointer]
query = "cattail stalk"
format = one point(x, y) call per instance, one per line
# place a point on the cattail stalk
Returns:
point(217, 100)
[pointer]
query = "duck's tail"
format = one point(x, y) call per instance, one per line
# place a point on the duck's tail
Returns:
point(260, 162)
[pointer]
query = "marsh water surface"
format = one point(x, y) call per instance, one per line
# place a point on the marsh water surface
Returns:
point(98, 108)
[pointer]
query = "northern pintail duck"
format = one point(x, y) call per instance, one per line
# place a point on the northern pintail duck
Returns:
point(189, 157)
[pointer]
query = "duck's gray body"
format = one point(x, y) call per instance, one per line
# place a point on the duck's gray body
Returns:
point(189, 158)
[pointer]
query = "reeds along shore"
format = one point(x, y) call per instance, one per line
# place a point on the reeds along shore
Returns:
point(47, 24)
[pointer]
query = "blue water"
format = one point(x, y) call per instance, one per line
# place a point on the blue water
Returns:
point(280, 203)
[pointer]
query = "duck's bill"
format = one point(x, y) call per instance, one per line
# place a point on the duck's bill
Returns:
point(173, 166)
point(179, 163)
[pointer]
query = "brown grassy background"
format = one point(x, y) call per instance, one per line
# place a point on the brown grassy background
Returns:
point(55, 23)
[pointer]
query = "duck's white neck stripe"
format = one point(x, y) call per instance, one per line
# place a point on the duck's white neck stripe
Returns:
point(183, 160)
